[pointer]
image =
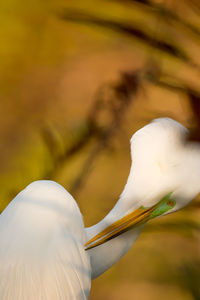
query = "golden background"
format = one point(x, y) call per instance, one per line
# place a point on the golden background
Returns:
point(77, 79)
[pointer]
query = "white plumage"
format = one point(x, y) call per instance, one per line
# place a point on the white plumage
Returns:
point(42, 241)
point(163, 162)
point(42, 236)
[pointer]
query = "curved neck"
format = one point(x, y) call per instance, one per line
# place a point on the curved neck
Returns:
point(106, 255)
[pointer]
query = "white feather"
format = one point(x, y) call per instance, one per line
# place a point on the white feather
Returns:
point(163, 161)
point(42, 241)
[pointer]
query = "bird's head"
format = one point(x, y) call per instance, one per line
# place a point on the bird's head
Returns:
point(164, 177)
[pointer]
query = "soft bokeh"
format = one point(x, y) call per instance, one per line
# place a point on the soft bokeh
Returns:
point(77, 79)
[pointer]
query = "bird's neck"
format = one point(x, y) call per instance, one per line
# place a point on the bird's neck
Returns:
point(106, 255)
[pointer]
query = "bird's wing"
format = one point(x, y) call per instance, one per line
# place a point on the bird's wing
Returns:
point(61, 272)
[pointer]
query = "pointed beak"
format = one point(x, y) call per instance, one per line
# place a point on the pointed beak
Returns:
point(133, 219)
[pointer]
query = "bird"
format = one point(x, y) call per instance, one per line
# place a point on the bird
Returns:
point(42, 254)
point(45, 250)
point(164, 178)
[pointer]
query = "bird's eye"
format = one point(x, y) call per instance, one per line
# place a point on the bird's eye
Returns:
point(170, 203)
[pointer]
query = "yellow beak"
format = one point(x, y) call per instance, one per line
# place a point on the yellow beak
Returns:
point(135, 218)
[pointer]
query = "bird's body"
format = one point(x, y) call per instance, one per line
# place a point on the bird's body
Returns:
point(42, 241)
point(42, 236)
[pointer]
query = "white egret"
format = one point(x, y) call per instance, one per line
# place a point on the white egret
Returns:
point(164, 177)
point(42, 237)
point(42, 255)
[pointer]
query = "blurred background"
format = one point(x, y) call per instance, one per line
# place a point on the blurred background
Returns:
point(77, 79)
